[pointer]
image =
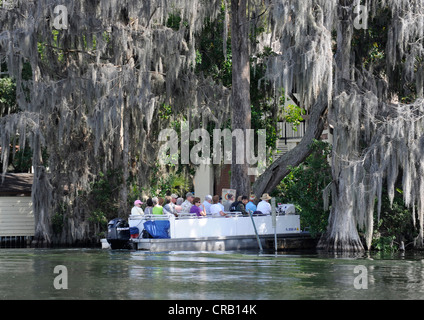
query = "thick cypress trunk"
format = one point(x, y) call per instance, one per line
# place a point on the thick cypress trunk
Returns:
point(241, 113)
point(41, 199)
point(342, 234)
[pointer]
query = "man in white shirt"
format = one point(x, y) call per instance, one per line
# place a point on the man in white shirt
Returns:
point(207, 204)
point(264, 205)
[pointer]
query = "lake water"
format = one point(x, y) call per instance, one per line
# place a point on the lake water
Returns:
point(105, 274)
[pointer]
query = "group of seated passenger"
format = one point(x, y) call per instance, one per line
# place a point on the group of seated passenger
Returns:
point(211, 206)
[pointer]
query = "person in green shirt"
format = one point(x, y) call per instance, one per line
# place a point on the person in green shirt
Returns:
point(158, 209)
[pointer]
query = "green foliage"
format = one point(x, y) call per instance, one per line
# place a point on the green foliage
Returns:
point(210, 57)
point(8, 88)
point(369, 44)
point(7, 92)
point(395, 224)
point(99, 219)
point(98, 216)
point(165, 112)
point(175, 22)
point(370, 47)
point(304, 186)
point(58, 218)
point(293, 114)
point(264, 113)
point(384, 243)
point(104, 193)
point(57, 222)
point(171, 182)
point(134, 192)
point(22, 161)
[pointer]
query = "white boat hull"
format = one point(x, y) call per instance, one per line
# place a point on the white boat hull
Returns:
point(191, 233)
point(284, 242)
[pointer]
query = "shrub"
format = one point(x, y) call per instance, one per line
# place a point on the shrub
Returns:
point(304, 186)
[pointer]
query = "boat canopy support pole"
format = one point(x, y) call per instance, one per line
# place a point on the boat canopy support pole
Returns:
point(274, 222)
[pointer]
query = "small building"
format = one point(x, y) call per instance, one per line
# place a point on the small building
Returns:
point(17, 224)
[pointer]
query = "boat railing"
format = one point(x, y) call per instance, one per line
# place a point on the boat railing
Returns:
point(186, 215)
point(183, 215)
point(149, 217)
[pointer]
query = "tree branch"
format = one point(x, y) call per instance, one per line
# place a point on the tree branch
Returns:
point(273, 175)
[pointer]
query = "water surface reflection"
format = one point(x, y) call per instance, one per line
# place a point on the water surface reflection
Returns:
point(104, 274)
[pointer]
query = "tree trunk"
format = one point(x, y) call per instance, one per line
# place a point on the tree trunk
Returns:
point(240, 94)
point(342, 234)
point(41, 198)
point(125, 127)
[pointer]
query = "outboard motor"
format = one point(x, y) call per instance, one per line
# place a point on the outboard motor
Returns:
point(118, 234)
